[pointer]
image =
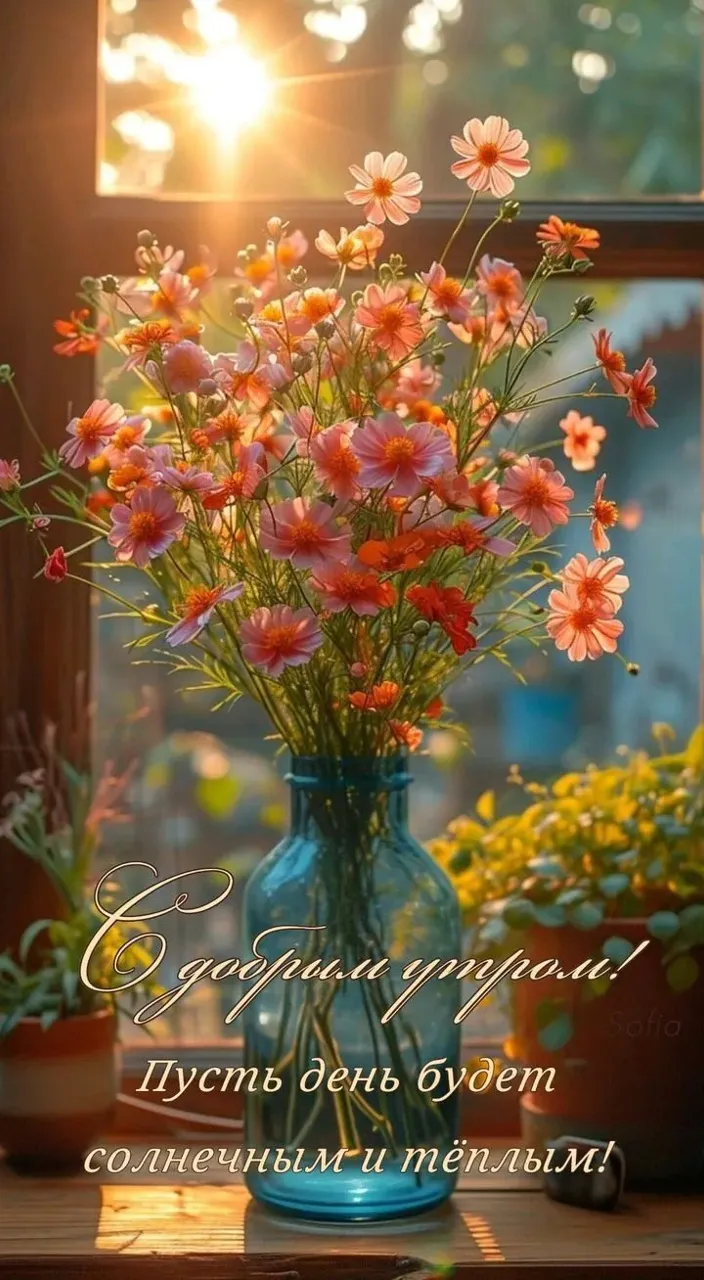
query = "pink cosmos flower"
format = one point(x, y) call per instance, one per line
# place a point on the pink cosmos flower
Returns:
point(536, 494)
point(9, 475)
point(197, 610)
point(394, 322)
point(355, 249)
point(385, 189)
point(613, 363)
point(500, 283)
point(337, 467)
point(240, 482)
point(145, 528)
point(446, 297)
point(230, 425)
point(246, 376)
point(130, 433)
point(304, 533)
point(642, 395)
point(186, 364)
point(91, 432)
point(276, 638)
point(583, 440)
point(583, 630)
point(305, 427)
point(604, 515)
point(493, 155)
point(400, 458)
point(416, 381)
point(353, 586)
point(186, 478)
point(597, 582)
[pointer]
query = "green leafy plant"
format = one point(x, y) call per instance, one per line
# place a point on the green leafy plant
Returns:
point(54, 818)
point(625, 841)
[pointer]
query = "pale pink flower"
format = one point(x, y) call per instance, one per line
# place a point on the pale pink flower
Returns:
point(416, 381)
point(337, 467)
point(446, 296)
point(276, 638)
point(186, 478)
point(493, 155)
point(582, 440)
point(145, 528)
point(400, 458)
point(500, 283)
point(355, 249)
point(131, 433)
point(597, 582)
point(91, 432)
point(306, 533)
point(305, 427)
point(9, 475)
point(642, 395)
point(175, 294)
point(393, 321)
point(186, 364)
point(246, 376)
point(385, 188)
point(527, 326)
point(169, 258)
point(197, 610)
point(582, 630)
point(536, 494)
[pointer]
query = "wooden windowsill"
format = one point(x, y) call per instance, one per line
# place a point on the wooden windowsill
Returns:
point(134, 1226)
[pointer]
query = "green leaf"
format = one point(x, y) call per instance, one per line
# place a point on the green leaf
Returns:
point(682, 973)
point(519, 913)
point(617, 949)
point(692, 923)
point(30, 935)
point(611, 886)
point(586, 915)
point(663, 925)
point(550, 916)
point(556, 1034)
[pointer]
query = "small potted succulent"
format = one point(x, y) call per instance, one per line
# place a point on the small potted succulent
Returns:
point(58, 1038)
point(594, 865)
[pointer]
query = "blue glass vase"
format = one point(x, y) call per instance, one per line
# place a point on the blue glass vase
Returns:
point(366, 890)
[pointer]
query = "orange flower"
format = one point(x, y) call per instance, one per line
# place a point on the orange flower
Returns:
point(560, 237)
point(604, 515)
point(483, 494)
point(613, 363)
point(434, 709)
point(406, 551)
point(448, 608)
point(407, 734)
point(382, 697)
point(78, 339)
point(582, 440)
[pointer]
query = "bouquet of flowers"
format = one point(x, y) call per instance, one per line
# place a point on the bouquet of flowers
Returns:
point(321, 524)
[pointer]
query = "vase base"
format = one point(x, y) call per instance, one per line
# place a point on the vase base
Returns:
point(351, 1198)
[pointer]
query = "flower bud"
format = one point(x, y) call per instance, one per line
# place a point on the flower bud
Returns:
point(252, 252)
point(56, 566)
point(109, 284)
point(581, 266)
point(509, 210)
point(242, 257)
point(584, 305)
point(326, 328)
point(437, 359)
point(298, 276)
point(275, 227)
point(359, 670)
point(421, 627)
point(146, 239)
point(6, 373)
point(539, 566)
point(633, 669)
point(243, 308)
point(302, 362)
point(396, 262)
point(208, 387)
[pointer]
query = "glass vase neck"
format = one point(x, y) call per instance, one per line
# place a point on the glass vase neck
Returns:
point(351, 786)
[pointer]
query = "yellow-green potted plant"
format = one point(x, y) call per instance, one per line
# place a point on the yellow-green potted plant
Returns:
point(594, 865)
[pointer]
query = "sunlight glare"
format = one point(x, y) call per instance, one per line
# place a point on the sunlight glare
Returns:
point(230, 90)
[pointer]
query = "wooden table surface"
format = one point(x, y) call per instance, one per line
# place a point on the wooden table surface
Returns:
point(191, 1226)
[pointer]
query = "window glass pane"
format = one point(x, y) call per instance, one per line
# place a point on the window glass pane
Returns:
point(275, 99)
point(207, 789)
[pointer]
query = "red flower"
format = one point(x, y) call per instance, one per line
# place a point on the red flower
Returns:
point(406, 733)
point(406, 551)
point(448, 607)
point(56, 566)
point(77, 339)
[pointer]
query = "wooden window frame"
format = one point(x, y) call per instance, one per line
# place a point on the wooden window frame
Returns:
point(56, 229)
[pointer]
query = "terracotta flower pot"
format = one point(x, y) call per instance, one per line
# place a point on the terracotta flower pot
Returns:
point(633, 1069)
point(57, 1088)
